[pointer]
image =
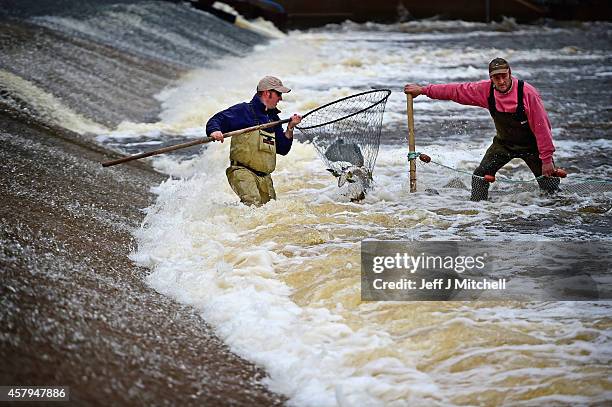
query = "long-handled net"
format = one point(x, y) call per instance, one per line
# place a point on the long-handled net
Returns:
point(346, 134)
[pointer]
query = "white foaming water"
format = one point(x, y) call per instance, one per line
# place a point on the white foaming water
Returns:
point(208, 251)
point(280, 284)
point(48, 105)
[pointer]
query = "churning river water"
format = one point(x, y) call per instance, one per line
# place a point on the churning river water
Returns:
point(281, 283)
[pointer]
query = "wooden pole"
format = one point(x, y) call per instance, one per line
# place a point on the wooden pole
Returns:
point(411, 144)
point(191, 143)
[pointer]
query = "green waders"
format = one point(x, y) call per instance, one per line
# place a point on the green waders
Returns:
point(252, 159)
point(253, 189)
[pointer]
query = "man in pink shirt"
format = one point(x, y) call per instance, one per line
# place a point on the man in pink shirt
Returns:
point(523, 128)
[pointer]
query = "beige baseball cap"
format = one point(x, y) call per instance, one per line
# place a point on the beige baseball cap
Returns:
point(272, 83)
point(498, 65)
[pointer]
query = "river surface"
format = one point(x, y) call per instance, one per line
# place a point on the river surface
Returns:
point(280, 284)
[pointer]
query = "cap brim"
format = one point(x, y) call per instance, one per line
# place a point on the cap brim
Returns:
point(496, 71)
point(283, 89)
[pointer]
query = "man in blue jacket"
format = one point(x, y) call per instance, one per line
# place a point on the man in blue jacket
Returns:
point(253, 154)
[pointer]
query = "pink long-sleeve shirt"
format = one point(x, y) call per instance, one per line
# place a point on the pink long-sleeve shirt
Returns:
point(477, 93)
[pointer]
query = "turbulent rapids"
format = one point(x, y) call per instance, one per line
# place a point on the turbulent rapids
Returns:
point(280, 284)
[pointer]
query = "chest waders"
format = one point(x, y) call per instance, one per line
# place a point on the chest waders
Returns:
point(252, 159)
point(514, 139)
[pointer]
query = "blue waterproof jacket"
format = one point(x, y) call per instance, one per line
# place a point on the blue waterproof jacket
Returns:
point(240, 116)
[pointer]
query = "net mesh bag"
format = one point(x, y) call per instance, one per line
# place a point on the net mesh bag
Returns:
point(346, 135)
point(515, 178)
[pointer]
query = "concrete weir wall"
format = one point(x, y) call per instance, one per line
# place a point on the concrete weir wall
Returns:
point(75, 311)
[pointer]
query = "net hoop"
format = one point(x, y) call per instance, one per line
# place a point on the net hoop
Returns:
point(386, 92)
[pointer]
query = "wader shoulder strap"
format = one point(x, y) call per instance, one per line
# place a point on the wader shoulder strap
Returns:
point(254, 114)
point(520, 114)
point(491, 100)
point(520, 103)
